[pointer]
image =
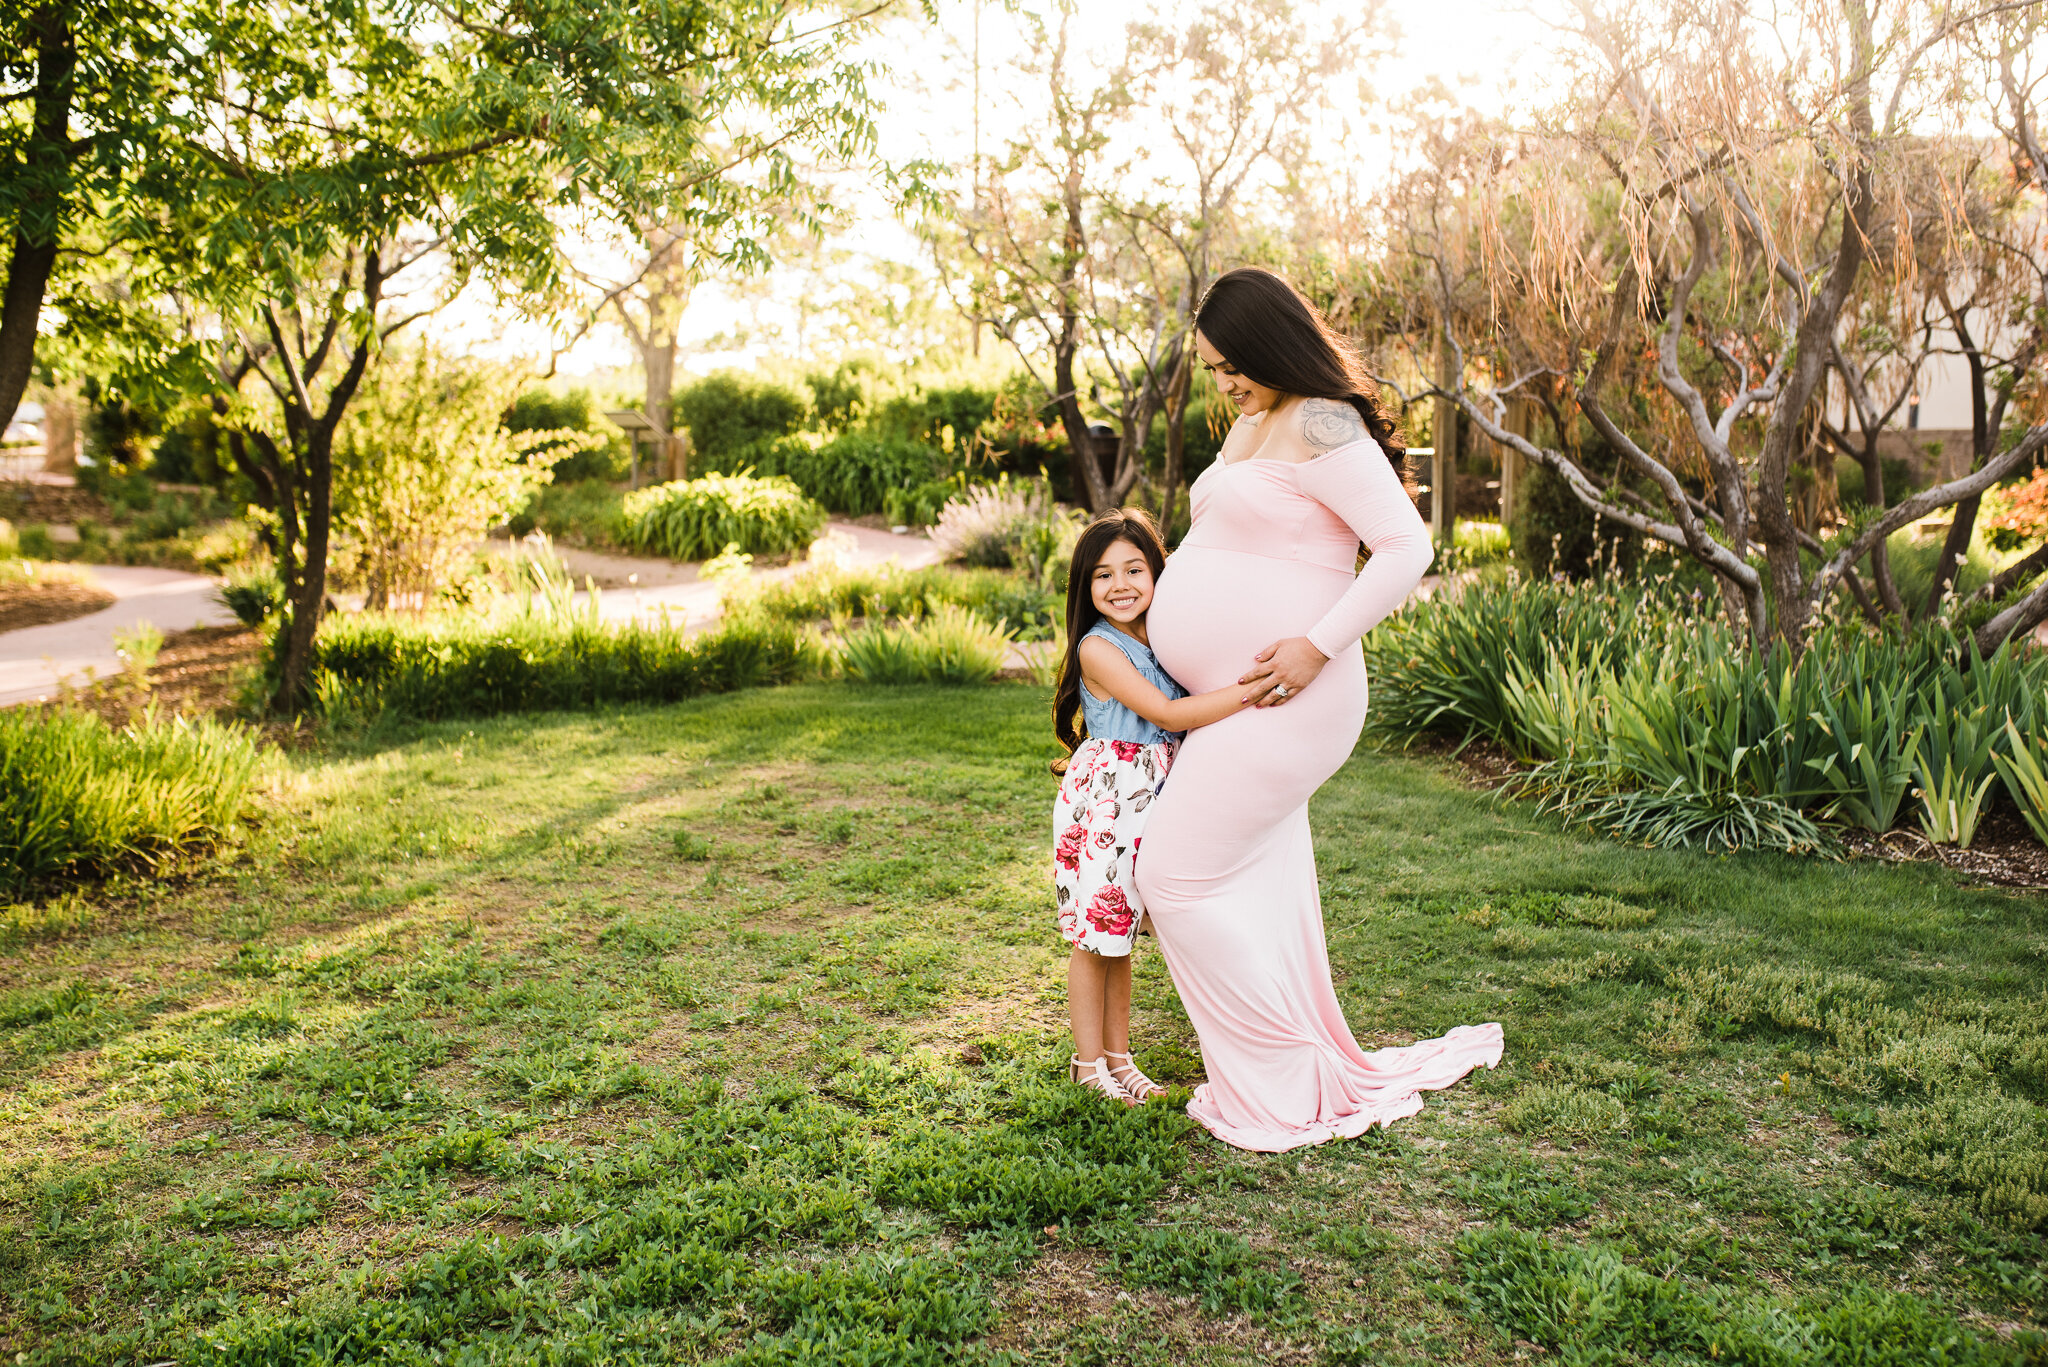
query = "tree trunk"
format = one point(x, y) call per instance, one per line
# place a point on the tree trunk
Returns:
point(60, 431)
point(665, 305)
point(1880, 553)
point(315, 437)
point(309, 599)
point(1963, 523)
point(34, 253)
point(1176, 435)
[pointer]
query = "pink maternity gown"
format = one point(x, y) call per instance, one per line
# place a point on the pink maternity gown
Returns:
point(1228, 870)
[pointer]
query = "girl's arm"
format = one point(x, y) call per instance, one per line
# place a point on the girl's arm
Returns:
point(1108, 673)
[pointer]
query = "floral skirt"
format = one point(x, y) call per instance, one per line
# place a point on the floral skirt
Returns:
point(1097, 821)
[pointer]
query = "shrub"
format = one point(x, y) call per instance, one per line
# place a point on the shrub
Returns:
point(855, 473)
point(729, 413)
point(252, 593)
point(693, 519)
point(78, 798)
point(919, 505)
point(585, 513)
point(422, 466)
point(1554, 533)
point(1475, 545)
point(568, 440)
point(952, 646)
point(542, 658)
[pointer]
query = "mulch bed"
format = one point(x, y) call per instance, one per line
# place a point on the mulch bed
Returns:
point(2005, 853)
point(34, 605)
point(198, 673)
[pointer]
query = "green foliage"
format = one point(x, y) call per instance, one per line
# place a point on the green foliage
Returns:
point(1475, 545)
point(1588, 1304)
point(1219, 1268)
point(569, 441)
point(1646, 717)
point(1010, 524)
point(951, 646)
point(2024, 766)
point(695, 519)
point(855, 473)
point(422, 466)
point(819, 595)
point(252, 593)
point(586, 513)
point(731, 414)
point(1555, 534)
point(80, 799)
point(1525, 1192)
point(459, 664)
point(1952, 762)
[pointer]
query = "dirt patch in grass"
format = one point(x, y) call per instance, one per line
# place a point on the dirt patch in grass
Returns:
point(1069, 1294)
point(198, 673)
point(52, 599)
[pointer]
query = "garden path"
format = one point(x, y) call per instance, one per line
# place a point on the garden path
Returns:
point(34, 661)
point(673, 588)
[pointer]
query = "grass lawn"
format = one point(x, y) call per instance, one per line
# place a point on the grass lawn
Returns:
point(732, 1031)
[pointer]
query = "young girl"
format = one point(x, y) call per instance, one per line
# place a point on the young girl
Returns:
point(1133, 714)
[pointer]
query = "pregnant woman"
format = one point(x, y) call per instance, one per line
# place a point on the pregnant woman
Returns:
point(1228, 870)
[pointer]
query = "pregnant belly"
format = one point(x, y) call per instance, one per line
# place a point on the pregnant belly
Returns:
point(1214, 609)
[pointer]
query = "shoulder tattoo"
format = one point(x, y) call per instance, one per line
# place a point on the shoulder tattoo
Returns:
point(1327, 424)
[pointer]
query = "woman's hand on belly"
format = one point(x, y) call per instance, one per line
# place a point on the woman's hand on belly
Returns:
point(1282, 670)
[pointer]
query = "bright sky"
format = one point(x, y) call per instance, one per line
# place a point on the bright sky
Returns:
point(1477, 48)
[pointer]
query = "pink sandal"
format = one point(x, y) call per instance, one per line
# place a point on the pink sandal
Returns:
point(1134, 1083)
point(1096, 1076)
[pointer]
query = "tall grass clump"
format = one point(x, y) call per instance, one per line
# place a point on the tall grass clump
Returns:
point(694, 519)
point(952, 646)
point(1643, 714)
point(1008, 524)
point(79, 798)
point(876, 592)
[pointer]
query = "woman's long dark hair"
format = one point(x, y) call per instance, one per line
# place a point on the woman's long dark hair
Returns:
point(1276, 338)
point(1134, 525)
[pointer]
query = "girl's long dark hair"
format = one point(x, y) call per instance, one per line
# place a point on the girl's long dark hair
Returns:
point(1134, 525)
point(1276, 338)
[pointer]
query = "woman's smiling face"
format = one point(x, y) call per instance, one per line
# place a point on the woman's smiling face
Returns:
point(1248, 395)
point(1121, 583)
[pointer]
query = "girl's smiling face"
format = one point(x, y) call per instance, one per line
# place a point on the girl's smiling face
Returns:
point(1248, 395)
point(1121, 583)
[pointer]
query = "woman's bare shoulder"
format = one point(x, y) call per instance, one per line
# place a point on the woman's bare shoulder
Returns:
point(1327, 424)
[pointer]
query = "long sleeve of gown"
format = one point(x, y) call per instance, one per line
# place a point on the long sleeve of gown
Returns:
point(1359, 484)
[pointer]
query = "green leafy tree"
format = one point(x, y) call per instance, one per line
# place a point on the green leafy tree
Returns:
point(89, 94)
point(329, 171)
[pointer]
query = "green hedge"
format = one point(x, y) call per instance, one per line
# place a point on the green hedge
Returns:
point(695, 519)
point(79, 798)
point(458, 665)
point(730, 413)
point(1643, 714)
